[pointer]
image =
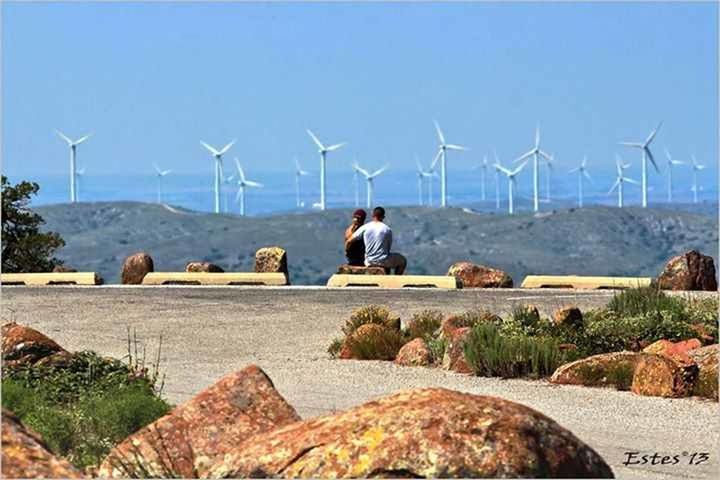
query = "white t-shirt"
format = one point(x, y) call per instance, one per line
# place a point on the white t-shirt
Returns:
point(378, 241)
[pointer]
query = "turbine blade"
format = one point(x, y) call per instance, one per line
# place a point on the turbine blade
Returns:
point(652, 159)
point(518, 169)
point(587, 175)
point(631, 144)
point(504, 170)
point(574, 170)
point(335, 147)
point(630, 180)
point(524, 156)
point(227, 147)
point(64, 137)
point(379, 171)
point(241, 173)
point(652, 134)
point(82, 139)
point(157, 169)
point(548, 158)
point(237, 195)
point(253, 184)
point(450, 146)
point(211, 149)
point(615, 185)
point(439, 132)
point(435, 160)
point(315, 139)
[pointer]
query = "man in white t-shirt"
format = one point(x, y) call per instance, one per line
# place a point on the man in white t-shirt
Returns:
point(378, 240)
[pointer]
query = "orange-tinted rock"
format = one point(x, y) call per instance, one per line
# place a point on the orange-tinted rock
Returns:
point(673, 349)
point(360, 270)
point(195, 435)
point(271, 260)
point(204, 267)
point(661, 376)
point(479, 276)
point(690, 271)
point(568, 316)
point(23, 345)
point(135, 267)
point(454, 358)
point(415, 353)
point(606, 369)
point(424, 433)
point(25, 454)
point(707, 359)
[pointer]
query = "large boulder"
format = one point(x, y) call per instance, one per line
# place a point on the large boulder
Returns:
point(707, 359)
point(690, 271)
point(23, 345)
point(454, 357)
point(424, 433)
point(415, 353)
point(670, 349)
point(271, 260)
point(135, 267)
point(196, 435)
point(479, 276)
point(661, 376)
point(568, 316)
point(203, 267)
point(606, 369)
point(25, 454)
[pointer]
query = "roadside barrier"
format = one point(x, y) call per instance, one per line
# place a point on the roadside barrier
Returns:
point(213, 278)
point(394, 281)
point(584, 283)
point(54, 278)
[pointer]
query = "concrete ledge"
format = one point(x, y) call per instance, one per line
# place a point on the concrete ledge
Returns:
point(213, 278)
point(584, 283)
point(394, 281)
point(59, 278)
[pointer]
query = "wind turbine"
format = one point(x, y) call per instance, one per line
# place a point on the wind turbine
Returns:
point(497, 180)
point(549, 164)
point(443, 147)
point(299, 172)
point(696, 167)
point(369, 177)
point(323, 150)
point(420, 173)
point(536, 153)
point(670, 163)
point(73, 165)
point(159, 174)
point(483, 175)
point(646, 153)
point(620, 180)
point(430, 175)
point(582, 172)
point(217, 154)
point(242, 183)
point(512, 183)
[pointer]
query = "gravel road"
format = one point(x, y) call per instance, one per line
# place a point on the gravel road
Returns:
point(209, 331)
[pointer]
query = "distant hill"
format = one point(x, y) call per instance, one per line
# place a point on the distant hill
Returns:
point(589, 241)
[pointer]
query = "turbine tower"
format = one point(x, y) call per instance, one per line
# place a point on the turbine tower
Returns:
point(369, 177)
point(217, 154)
point(420, 178)
point(226, 181)
point(536, 153)
point(582, 172)
point(620, 180)
point(696, 167)
point(512, 183)
point(73, 161)
point(80, 174)
point(323, 150)
point(443, 147)
point(549, 164)
point(242, 183)
point(646, 154)
point(159, 174)
point(429, 175)
point(497, 180)
point(483, 176)
point(299, 172)
point(671, 162)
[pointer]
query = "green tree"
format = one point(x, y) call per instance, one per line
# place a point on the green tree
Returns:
point(24, 248)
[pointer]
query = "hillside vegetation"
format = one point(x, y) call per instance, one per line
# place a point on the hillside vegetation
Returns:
point(591, 241)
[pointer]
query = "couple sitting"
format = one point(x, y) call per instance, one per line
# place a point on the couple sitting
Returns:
point(368, 244)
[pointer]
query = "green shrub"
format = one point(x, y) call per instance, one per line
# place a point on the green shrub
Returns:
point(424, 325)
point(334, 349)
point(378, 314)
point(437, 348)
point(525, 315)
point(642, 300)
point(378, 344)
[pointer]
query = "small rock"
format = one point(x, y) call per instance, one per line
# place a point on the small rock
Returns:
point(204, 267)
point(360, 270)
point(415, 353)
point(454, 357)
point(23, 345)
point(689, 271)
point(422, 433)
point(271, 260)
point(661, 376)
point(135, 267)
point(196, 435)
point(568, 316)
point(25, 454)
point(673, 349)
point(707, 359)
point(606, 369)
point(479, 276)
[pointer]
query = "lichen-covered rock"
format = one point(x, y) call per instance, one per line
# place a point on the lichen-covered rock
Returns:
point(23, 345)
point(690, 271)
point(673, 349)
point(479, 276)
point(661, 376)
point(430, 433)
point(707, 359)
point(135, 267)
point(195, 435)
point(25, 454)
point(454, 357)
point(606, 369)
point(568, 316)
point(415, 353)
point(271, 260)
point(360, 270)
point(203, 267)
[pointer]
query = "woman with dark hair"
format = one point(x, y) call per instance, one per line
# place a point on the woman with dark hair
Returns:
point(355, 251)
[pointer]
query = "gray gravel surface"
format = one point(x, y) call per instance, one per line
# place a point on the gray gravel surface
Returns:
point(208, 332)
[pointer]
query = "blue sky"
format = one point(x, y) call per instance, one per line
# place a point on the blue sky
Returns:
point(152, 80)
